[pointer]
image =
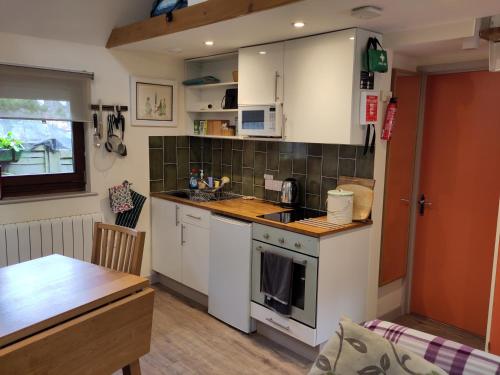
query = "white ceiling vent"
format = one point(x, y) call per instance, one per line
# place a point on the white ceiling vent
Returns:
point(366, 12)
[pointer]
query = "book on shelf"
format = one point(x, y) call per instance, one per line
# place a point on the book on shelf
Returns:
point(214, 127)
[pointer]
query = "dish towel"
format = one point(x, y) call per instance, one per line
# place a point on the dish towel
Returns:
point(130, 218)
point(276, 282)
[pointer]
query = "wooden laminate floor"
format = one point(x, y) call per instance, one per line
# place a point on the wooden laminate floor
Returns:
point(186, 340)
point(440, 329)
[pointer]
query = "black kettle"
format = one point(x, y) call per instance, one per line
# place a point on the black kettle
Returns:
point(289, 193)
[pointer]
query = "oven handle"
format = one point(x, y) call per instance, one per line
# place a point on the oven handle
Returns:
point(303, 262)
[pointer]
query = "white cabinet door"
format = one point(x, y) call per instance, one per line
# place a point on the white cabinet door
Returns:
point(166, 244)
point(319, 77)
point(195, 256)
point(260, 72)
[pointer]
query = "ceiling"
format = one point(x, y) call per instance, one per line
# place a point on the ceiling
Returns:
point(81, 21)
point(91, 22)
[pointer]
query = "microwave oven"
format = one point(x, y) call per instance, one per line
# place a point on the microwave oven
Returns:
point(260, 120)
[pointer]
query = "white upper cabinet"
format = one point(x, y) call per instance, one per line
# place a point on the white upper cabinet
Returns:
point(260, 72)
point(322, 78)
point(317, 79)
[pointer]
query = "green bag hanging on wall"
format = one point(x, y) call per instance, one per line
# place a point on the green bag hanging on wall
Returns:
point(376, 58)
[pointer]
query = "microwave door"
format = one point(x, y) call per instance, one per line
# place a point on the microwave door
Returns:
point(253, 122)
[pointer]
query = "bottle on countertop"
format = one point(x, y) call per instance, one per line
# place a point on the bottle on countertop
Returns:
point(193, 179)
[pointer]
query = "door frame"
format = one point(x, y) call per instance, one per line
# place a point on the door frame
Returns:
point(396, 72)
point(425, 72)
point(493, 284)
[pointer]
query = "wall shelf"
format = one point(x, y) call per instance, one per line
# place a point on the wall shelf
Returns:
point(211, 85)
point(211, 110)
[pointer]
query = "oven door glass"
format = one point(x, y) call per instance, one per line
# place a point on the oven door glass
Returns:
point(304, 283)
point(253, 119)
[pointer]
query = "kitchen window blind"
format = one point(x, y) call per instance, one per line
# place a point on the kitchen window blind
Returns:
point(44, 94)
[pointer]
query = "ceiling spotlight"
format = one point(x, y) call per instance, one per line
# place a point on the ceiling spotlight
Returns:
point(209, 43)
point(262, 52)
point(366, 12)
point(298, 24)
point(351, 38)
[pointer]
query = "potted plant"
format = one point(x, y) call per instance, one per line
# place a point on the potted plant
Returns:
point(10, 148)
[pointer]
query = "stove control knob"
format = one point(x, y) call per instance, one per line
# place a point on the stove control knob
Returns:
point(266, 236)
point(281, 240)
point(298, 245)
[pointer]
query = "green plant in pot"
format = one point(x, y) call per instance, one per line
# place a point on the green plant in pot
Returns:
point(10, 148)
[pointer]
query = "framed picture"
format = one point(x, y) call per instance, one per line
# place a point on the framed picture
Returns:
point(153, 102)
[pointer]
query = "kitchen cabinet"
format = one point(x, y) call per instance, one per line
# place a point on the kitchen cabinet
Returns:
point(260, 74)
point(195, 240)
point(180, 243)
point(165, 240)
point(317, 79)
point(322, 80)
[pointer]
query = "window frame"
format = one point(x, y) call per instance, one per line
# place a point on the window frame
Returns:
point(41, 184)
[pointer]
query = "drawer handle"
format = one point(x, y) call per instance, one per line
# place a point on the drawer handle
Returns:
point(281, 240)
point(193, 217)
point(271, 320)
point(298, 245)
point(266, 236)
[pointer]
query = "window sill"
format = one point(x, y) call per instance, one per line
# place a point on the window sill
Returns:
point(46, 197)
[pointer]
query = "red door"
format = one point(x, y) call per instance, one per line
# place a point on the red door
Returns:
point(399, 180)
point(460, 176)
point(494, 339)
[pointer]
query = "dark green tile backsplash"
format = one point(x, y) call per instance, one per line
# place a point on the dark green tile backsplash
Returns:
point(315, 166)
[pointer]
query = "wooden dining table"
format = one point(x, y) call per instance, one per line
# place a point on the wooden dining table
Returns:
point(63, 316)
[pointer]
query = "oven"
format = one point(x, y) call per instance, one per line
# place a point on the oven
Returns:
point(304, 282)
point(260, 120)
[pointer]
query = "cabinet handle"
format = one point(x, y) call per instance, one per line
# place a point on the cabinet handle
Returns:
point(194, 217)
point(176, 215)
point(276, 76)
point(266, 236)
point(182, 234)
point(271, 320)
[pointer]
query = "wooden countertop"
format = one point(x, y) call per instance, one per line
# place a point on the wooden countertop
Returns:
point(249, 210)
point(42, 293)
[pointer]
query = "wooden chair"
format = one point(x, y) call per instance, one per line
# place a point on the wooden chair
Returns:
point(118, 248)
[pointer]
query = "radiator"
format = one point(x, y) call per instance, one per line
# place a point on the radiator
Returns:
point(69, 236)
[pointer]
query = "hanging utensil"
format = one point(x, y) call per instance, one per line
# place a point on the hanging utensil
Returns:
point(97, 142)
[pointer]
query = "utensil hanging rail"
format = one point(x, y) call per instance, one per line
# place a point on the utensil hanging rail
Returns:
point(123, 108)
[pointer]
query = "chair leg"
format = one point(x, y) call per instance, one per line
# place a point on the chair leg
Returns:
point(133, 368)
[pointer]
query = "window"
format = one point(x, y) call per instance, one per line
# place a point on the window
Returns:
point(42, 115)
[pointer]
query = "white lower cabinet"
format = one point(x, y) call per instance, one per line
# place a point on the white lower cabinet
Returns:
point(181, 243)
point(166, 238)
point(195, 257)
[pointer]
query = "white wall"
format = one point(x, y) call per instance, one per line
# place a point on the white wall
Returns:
point(112, 70)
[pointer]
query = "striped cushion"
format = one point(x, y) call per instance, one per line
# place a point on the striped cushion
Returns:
point(454, 358)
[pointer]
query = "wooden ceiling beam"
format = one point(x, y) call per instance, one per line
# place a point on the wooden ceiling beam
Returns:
point(491, 34)
point(206, 13)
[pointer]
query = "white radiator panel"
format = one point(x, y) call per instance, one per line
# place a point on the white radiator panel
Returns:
point(69, 236)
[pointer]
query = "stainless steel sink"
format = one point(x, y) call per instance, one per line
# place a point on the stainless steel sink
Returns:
point(203, 195)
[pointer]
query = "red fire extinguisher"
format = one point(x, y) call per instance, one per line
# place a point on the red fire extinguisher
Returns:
point(390, 119)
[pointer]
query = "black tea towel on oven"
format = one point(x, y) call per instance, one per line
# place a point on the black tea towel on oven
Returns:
point(276, 282)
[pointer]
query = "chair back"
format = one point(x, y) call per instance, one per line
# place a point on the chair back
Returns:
point(118, 248)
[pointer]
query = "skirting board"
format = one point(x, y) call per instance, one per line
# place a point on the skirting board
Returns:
point(179, 288)
point(392, 315)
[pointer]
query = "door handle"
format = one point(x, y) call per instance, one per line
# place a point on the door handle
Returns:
point(422, 203)
point(276, 76)
point(182, 234)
